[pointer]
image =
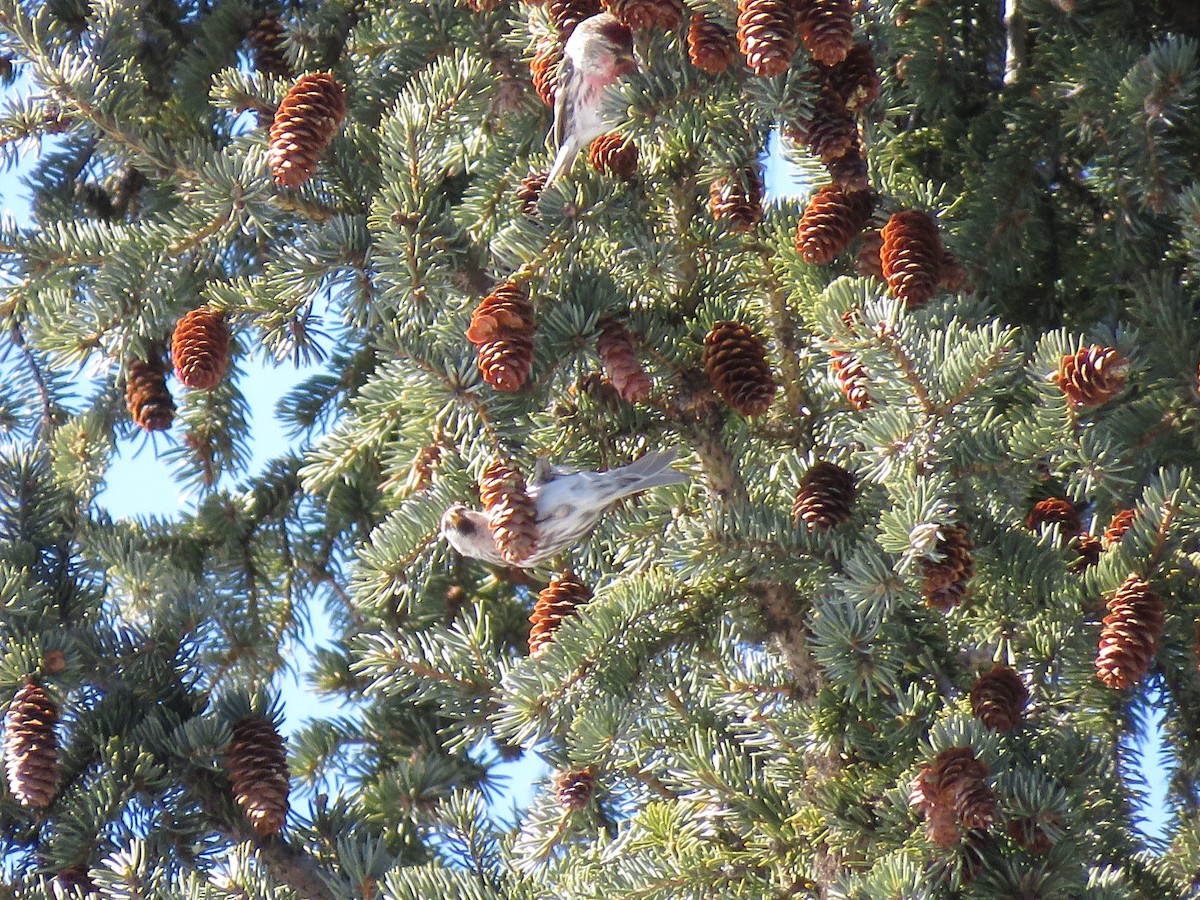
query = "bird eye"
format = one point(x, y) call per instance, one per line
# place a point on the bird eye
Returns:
point(465, 526)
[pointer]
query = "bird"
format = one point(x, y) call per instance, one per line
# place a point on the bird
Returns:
point(598, 52)
point(568, 504)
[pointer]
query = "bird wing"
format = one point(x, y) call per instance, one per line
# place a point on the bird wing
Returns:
point(565, 68)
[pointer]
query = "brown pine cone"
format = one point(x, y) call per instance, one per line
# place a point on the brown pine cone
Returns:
point(256, 761)
point(855, 79)
point(1121, 523)
point(737, 200)
point(851, 377)
point(710, 47)
point(867, 261)
point(830, 222)
point(639, 14)
point(530, 190)
point(941, 825)
point(766, 35)
point(736, 364)
point(1092, 375)
point(998, 699)
point(849, 171)
point(305, 123)
point(1129, 638)
point(511, 512)
point(945, 582)
point(574, 789)
point(612, 154)
point(953, 278)
point(911, 256)
point(544, 69)
point(146, 395)
point(200, 348)
point(31, 759)
point(1030, 833)
point(960, 782)
point(1055, 511)
point(826, 496)
point(1088, 548)
point(830, 131)
point(266, 46)
point(559, 600)
point(826, 28)
point(624, 370)
point(567, 14)
point(502, 330)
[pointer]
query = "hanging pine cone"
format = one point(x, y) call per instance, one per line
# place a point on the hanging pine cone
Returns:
point(867, 262)
point(826, 28)
point(830, 222)
point(639, 14)
point(544, 69)
point(829, 132)
point(1121, 523)
point(1031, 833)
point(945, 582)
point(256, 761)
point(200, 348)
point(559, 600)
point(952, 278)
point(1092, 375)
point(1129, 638)
point(766, 34)
point(31, 746)
point(855, 79)
point(567, 14)
point(511, 512)
point(574, 789)
point(266, 40)
point(941, 825)
point(849, 171)
point(502, 330)
point(851, 378)
point(825, 497)
point(737, 200)
point(998, 699)
point(710, 47)
point(960, 781)
point(146, 395)
point(1088, 547)
point(617, 354)
point(1055, 511)
point(736, 364)
point(530, 190)
point(305, 123)
point(911, 256)
point(612, 154)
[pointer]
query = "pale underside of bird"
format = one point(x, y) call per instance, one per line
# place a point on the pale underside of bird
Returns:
point(569, 504)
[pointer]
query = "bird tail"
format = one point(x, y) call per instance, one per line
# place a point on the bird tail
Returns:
point(652, 470)
point(562, 161)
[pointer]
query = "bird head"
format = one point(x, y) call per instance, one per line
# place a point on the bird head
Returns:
point(466, 530)
point(602, 44)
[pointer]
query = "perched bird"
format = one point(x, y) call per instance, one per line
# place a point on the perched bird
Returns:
point(598, 52)
point(569, 504)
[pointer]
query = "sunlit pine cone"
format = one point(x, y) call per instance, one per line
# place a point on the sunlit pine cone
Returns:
point(849, 171)
point(945, 582)
point(1121, 522)
point(567, 14)
point(826, 496)
point(305, 123)
point(941, 825)
point(998, 699)
point(544, 69)
point(31, 757)
point(827, 29)
point(574, 789)
point(640, 14)
point(1092, 375)
point(766, 34)
point(851, 377)
point(737, 200)
point(736, 364)
point(256, 760)
point(960, 780)
point(831, 220)
point(530, 190)
point(710, 47)
point(558, 601)
point(829, 132)
point(511, 512)
point(855, 79)
point(911, 256)
point(613, 154)
point(1055, 511)
point(621, 363)
point(502, 330)
point(1130, 634)
point(266, 46)
point(146, 395)
point(200, 348)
